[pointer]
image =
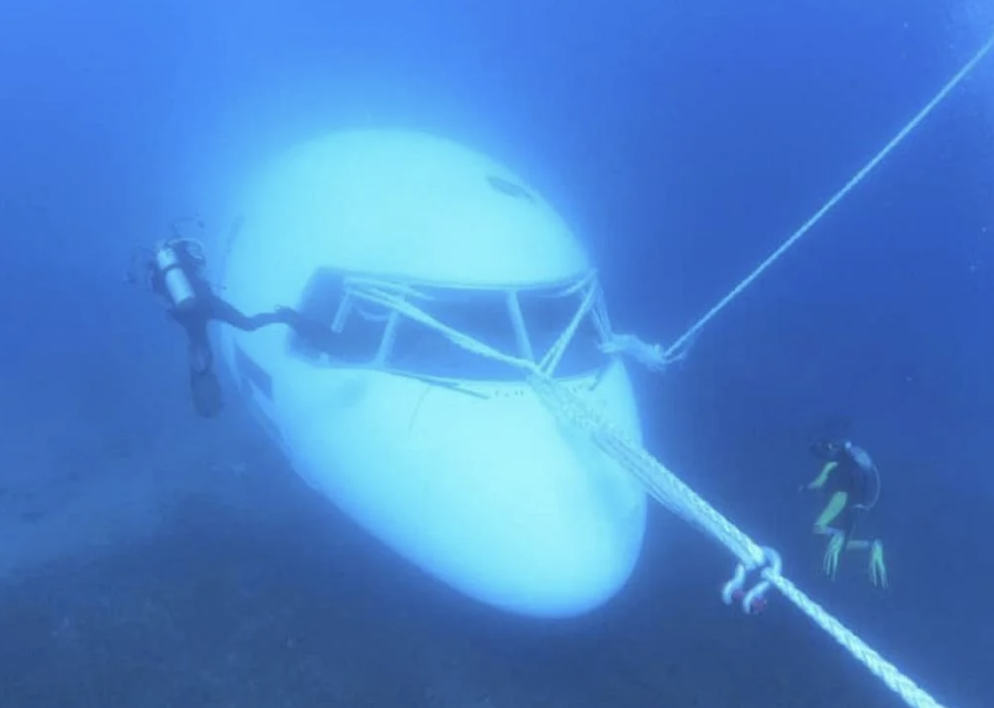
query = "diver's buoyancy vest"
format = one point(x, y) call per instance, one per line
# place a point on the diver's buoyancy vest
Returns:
point(868, 478)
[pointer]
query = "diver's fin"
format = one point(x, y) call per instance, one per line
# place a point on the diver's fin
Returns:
point(208, 399)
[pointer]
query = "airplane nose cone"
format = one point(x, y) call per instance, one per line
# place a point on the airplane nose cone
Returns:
point(571, 546)
point(491, 495)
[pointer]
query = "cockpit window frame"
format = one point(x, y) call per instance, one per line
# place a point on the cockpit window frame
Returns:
point(524, 347)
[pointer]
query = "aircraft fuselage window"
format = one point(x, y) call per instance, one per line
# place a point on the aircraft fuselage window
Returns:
point(363, 323)
point(372, 334)
point(547, 314)
point(508, 188)
point(483, 315)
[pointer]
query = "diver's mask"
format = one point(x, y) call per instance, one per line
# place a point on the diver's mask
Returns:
point(824, 449)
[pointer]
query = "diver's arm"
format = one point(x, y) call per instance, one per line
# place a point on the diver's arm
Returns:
point(819, 481)
point(221, 310)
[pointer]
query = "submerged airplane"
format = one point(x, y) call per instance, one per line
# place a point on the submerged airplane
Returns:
point(421, 254)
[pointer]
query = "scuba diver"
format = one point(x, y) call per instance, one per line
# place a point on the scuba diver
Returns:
point(852, 482)
point(175, 274)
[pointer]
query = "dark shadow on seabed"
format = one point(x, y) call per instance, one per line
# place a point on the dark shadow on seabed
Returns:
point(283, 602)
point(253, 591)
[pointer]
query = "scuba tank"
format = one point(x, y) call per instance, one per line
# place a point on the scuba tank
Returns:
point(871, 476)
point(176, 282)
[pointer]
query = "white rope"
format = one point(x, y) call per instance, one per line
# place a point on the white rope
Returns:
point(658, 481)
point(910, 692)
point(670, 491)
point(661, 484)
point(673, 349)
point(602, 320)
point(556, 352)
point(388, 295)
point(456, 337)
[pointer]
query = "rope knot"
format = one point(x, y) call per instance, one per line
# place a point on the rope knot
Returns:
point(749, 584)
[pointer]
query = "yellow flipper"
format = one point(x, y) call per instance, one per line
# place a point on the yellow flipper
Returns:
point(831, 562)
point(878, 568)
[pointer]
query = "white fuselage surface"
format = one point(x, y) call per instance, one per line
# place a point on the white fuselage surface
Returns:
point(443, 452)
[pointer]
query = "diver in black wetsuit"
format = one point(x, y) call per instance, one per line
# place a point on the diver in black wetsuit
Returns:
point(175, 273)
point(852, 481)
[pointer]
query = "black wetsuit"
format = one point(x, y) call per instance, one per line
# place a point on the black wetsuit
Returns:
point(860, 483)
point(207, 307)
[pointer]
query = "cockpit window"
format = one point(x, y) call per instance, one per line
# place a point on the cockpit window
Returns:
point(483, 315)
point(351, 328)
point(362, 323)
point(547, 314)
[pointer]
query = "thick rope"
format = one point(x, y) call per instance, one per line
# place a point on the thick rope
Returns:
point(398, 303)
point(670, 491)
point(910, 692)
point(658, 481)
point(661, 484)
point(667, 489)
point(673, 350)
point(555, 354)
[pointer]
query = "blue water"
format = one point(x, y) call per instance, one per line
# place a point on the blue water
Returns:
point(148, 558)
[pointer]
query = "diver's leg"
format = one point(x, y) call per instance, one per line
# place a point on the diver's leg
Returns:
point(836, 505)
point(877, 566)
point(853, 543)
point(838, 520)
point(835, 520)
point(201, 354)
point(205, 389)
